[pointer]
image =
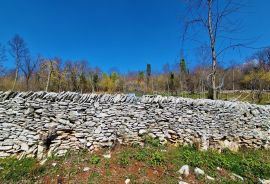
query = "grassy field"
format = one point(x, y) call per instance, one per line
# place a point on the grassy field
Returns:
point(244, 96)
point(151, 164)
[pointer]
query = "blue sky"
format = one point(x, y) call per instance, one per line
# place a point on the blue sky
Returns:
point(123, 34)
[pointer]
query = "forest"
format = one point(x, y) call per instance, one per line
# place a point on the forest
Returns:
point(212, 77)
point(53, 74)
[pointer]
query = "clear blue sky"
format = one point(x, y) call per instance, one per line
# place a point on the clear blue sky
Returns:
point(123, 34)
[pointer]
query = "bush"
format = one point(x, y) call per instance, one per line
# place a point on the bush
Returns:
point(157, 158)
point(141, 154)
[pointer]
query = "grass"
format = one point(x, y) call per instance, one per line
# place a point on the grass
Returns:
point(15, 170)
point(152, 163)
point(240, 96)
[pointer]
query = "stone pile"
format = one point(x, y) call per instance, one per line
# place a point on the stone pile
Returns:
point(41, 123)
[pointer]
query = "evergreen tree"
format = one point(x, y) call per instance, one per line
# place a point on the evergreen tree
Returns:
point(183, 67)
point(172, 82)
point(183, 74)
point(148, 75)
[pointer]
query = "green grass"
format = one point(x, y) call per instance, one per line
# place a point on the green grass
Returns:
point(248, 163)
point(95, 159)
point(15, 170)
point(240, 96)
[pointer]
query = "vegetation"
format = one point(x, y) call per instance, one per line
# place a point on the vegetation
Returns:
point(153, 163)
point(53, 74)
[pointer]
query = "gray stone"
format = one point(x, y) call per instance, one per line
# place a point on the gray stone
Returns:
point(5, 148)
point(184, 170)
point(142, 131)
point(24, 147)
point(79, 135)
point(198, 171)
point(90, 123)
point(86, 169)
point(29, 111)
point(237, 177)
point(39, 111)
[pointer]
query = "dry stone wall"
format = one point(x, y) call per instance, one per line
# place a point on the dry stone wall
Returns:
point(39, 123)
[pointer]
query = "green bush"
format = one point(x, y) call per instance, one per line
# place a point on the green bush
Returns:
point(95, 159)
point(157, 158)
point(141, 154)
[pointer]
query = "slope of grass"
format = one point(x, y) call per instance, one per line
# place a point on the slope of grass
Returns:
point(153, 163)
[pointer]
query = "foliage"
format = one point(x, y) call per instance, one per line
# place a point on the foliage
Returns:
point(157, 158)
point(95, 159)
point(150, 141)
point(124, 158)
point(246, 163)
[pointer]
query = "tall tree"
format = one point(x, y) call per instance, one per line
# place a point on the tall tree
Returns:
point(183, 73)
point(28, 66)
point(93, 75)
point(18, 50)
point(2, 58)
point(148, 75)
point(214, 16)
point(49, 66)
point(172, 82)
point(166, 71)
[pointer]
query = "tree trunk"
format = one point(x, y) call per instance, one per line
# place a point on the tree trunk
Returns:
point(16, 77)
point(49, 77)
point(213, 95)
point(27, 82)
point(233, 80)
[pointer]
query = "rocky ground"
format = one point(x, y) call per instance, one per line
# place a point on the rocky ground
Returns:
point(152, 163)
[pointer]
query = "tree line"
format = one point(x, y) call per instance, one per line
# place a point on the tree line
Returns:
point(53, 74)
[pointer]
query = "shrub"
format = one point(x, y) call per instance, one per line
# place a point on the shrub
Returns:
point(157, 158)
point(95, 159)
point(124, 159)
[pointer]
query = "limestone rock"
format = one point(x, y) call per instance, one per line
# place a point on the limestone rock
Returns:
point(184, 170)
point(198, 171)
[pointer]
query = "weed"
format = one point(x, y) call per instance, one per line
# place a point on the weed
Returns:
point(93, 178)
point(157, 158)
point(15, 170)
point(124, 158)
point(141, 155)
point(150, 141)
point(95, 159)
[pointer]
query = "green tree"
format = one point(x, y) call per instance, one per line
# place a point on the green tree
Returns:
point(172, 82)
point(2, 58)
point(148, 75)
point(95, 81)
point(82, 82)
point(183, 74)
point(183, 67)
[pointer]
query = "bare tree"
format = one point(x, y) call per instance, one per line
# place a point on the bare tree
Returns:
point(214, 16)
point(49, 65)
point(2, 58)
point(27, 67)
point(166, 71)
point(18, 51)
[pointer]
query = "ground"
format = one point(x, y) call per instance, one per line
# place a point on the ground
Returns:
point(150, 164)
point(244, 96)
